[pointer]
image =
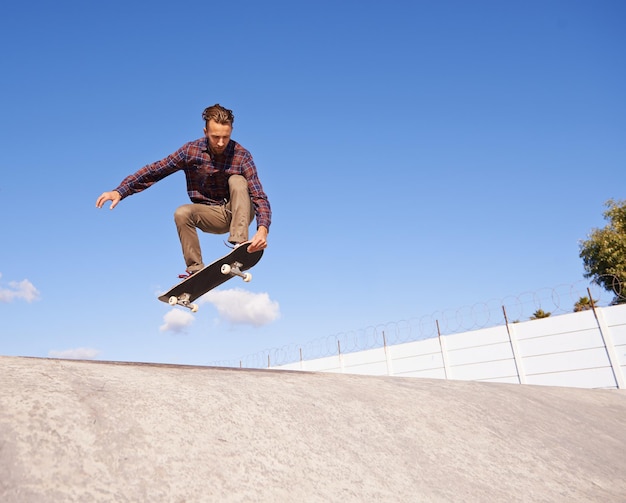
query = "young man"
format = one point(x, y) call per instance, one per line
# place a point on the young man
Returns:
point(222, 183)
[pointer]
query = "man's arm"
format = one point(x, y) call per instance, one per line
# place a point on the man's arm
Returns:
point(257, 194)
point(261, 205)
point(146, 177)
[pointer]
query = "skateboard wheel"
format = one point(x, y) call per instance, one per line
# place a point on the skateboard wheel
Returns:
point(225, 269)
point(173, 300)
point(247, 277)
point(193, 307)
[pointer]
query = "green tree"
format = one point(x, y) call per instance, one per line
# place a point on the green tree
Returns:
point(604, 252)
point(538, 314)
point(584, 304)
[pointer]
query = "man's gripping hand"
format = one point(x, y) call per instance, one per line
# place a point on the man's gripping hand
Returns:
point(259, 240)
point(113, 196)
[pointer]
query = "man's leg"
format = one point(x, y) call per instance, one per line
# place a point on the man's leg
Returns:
point(188, 217)
point(241, 209)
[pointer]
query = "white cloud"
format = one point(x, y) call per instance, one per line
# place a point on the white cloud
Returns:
point(23, 290)
point(74, 354)
point(177, 321)
point(243, 307)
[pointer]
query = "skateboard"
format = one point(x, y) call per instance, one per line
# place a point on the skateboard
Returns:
point(211, 276)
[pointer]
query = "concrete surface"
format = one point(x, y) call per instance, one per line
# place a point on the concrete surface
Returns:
point(102, 431)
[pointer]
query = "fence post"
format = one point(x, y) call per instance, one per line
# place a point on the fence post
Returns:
point(609, 347)
point(444, 352)
point(341, 366)
point(521, 375)
point(387, 356)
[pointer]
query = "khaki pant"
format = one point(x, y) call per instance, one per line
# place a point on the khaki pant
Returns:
point(234, 217)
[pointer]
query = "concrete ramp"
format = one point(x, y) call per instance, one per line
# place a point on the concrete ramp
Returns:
point(128, 432)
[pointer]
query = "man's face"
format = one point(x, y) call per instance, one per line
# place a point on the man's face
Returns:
point(218, 136)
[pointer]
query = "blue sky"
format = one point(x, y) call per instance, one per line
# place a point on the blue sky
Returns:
point(418, 155)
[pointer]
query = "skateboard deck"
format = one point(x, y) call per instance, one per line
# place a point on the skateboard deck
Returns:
point(211, 276)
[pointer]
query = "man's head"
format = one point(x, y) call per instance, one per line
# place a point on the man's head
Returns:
point(218, 114)
point(218, 127)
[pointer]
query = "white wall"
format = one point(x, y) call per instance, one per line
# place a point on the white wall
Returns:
point(586, 350)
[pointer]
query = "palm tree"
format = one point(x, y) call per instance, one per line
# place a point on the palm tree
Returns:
point(538, 314)
point(584, 304)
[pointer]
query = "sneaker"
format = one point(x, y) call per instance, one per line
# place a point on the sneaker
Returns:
point(232, 246)
point(186, 275)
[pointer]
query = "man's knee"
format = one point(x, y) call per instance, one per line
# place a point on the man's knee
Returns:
point(182, 214)
point(237, 183)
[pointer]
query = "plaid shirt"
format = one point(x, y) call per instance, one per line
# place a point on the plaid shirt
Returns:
point(207, 176)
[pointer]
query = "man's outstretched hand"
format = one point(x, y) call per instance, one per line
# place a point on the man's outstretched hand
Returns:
point(259, 240)
point(113, 196)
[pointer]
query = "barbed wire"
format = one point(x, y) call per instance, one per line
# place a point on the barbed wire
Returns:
point(561, 299)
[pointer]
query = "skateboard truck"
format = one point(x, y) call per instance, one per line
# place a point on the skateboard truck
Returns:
point(182, 300)
point(234, 269)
